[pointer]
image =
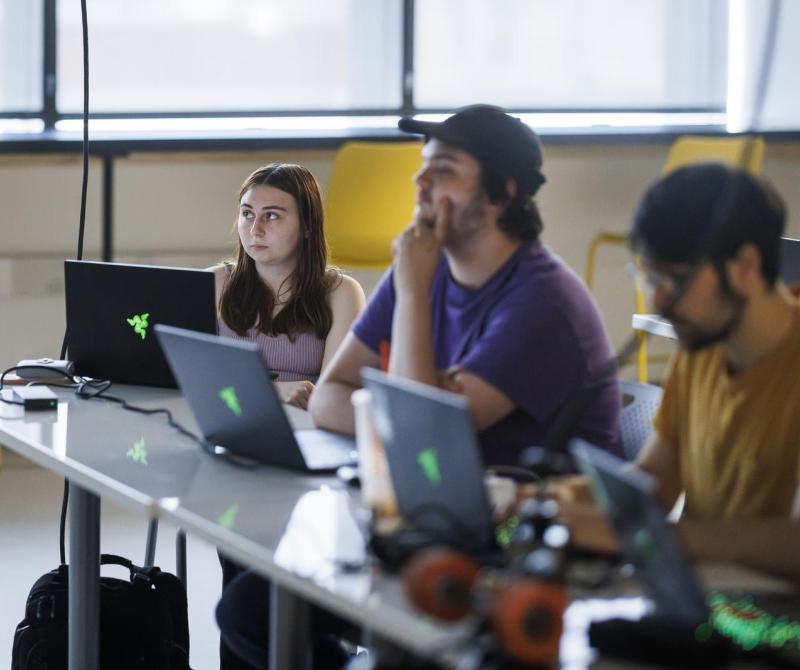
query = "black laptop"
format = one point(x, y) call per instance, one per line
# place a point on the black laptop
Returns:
point(760, 616)
point(230, 392)
point(433, 456)
point(790, 260)
point(646, 538)
point(111, 311)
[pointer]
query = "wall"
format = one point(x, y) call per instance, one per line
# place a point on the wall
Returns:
point(179, 208)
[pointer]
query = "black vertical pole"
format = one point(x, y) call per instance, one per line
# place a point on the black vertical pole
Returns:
point(108, 208)
point(408, 58)
point(49, 113)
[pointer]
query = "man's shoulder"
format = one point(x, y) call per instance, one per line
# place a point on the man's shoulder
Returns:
point(539, 268)
point(542, 282)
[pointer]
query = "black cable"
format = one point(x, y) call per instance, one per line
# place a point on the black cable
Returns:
point(97, 389)
point(85, 149)
point(82, 219)
point(89, 391)
point(27, 367)
point(62, 526)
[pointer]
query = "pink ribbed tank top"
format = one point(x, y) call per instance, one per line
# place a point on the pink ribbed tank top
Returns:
point(293, 361)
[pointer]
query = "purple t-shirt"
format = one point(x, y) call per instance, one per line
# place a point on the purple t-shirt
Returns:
point(532, 331)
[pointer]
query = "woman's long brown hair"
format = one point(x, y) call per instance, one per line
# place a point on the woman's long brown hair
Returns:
point(247, 302)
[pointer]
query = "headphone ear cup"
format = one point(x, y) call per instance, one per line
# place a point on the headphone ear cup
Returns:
point(528, 619)
point(440, 582)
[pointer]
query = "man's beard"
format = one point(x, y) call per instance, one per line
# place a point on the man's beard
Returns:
point(467, 223)
point(699, 338)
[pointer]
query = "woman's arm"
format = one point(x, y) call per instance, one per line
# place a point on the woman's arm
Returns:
point(346, 301)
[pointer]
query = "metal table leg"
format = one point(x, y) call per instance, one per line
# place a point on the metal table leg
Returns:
point(150, 547)
point(289, 631)
point(180, 558)
point(84, 580)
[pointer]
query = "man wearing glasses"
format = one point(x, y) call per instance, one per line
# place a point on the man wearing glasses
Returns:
point(728, 429)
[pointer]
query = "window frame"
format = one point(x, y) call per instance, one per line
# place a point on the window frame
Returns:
point(49, 114)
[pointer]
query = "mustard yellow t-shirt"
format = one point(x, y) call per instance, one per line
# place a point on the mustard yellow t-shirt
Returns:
point(738, 437)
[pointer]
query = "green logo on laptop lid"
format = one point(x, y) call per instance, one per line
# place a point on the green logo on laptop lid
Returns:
point(228, 517)
point(137, 453)
point(429, 462)
point(139, 324)
point(228, 396)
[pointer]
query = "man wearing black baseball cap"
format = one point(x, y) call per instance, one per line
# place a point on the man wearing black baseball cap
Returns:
point(474, 302)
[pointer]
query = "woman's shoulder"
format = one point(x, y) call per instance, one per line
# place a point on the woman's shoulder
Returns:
point(344, 290)
point(220, 270)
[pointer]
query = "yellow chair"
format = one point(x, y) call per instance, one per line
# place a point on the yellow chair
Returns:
point(685, 150)
point(369, 201)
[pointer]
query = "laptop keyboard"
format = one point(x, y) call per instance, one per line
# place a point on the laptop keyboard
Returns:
point(326, 451)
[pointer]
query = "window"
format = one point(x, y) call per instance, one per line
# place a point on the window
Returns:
point(21, 54)
point(570, 54)
point(232, 55)
point(219, 65)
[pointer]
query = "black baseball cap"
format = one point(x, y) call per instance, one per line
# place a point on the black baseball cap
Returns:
point(497, 140)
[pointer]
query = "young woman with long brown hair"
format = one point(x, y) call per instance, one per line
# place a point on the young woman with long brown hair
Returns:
point(279, 291)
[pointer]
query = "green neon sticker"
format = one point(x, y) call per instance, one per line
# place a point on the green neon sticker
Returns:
point(429, 462)
point(228, 517)
point(505, 531)
point(137, 453)
point(139, 323)
point(228, 396)
point(749, 626)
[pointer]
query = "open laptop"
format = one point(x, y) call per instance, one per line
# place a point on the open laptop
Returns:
point(111, 311)
point(689, 628)
point(790, 261)
point(433, 456)
point(230, 392)
point(650, 544)
point(646, 539)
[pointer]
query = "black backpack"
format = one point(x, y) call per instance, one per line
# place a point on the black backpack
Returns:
point(143, 621)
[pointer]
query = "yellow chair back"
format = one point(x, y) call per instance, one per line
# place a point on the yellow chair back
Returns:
point(689, 149)
point(369, 200)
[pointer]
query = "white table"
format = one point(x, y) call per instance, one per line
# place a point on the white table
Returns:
point(300, 531)
point(139, 462)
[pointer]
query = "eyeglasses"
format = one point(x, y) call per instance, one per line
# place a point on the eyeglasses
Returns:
point(671, 284)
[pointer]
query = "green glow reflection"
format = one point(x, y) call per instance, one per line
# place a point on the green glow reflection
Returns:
point(228, 517)
point(137, 453)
